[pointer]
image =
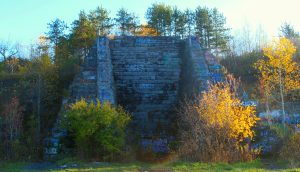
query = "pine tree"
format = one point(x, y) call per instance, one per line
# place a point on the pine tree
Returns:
point(159, 16)
point(204, 26)
point(287, 31)
point(210, 27)
point(220, 37)
point(126, 22)
point(101, 21)
point(178, 22)
point(56, 31)
point(83, 33)
point(190, 21)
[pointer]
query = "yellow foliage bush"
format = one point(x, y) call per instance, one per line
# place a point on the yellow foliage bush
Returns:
point(218, 107)
point(217, 125)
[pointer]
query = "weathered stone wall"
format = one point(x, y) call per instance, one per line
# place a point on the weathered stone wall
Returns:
point(148, 76)
point(105, 80)
point(200, 72)
point(147, 73)
point(84, 84)
point(95, 79)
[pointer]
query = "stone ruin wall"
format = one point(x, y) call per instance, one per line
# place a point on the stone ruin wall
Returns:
point(148, 76)
point(145, 75)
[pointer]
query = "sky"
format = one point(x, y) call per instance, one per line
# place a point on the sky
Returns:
point(23, 21)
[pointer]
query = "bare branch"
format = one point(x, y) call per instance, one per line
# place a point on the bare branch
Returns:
point(8, 50)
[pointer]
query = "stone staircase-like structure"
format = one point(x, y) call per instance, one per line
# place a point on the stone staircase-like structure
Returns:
point(148, 76)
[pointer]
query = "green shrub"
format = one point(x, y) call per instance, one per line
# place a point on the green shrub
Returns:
point(98, 129)
point(290, 151)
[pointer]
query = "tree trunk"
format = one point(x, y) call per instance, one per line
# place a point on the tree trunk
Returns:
point(282, 99)
point(39, 107)
point(267, 107)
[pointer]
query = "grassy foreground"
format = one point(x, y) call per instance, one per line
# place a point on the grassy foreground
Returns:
point(137, 167)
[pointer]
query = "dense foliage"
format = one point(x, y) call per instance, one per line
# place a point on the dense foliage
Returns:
point(126, 22)
point(208, 24)
point(98, 129)
point(217, 126)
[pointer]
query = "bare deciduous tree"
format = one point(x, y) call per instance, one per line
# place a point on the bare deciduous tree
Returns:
point(8, 50)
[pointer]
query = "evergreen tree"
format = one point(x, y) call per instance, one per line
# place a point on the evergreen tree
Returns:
point(56, 31)
point(178, 22)
point(219, 37)
point(175, 19)
point(159, 16)
point(204, 26)
point(126, 22)
point(210, 27)
point(287, 31)
point(182, 21)
point(83, 34)
point(55, 34)
point(101, 21)
point(190, 21)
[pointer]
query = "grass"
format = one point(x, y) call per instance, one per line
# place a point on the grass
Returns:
point(197, 166)
point(12, 166)
point(256, 165)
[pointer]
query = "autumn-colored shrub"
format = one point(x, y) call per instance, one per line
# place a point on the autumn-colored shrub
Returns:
point(290, 151)
point(217, 127)
point(98, 129)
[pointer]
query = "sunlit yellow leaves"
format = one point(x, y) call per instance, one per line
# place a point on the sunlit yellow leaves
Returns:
point(278, 70)
point(280, 54)
point(220, 107)
point(146, 30)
